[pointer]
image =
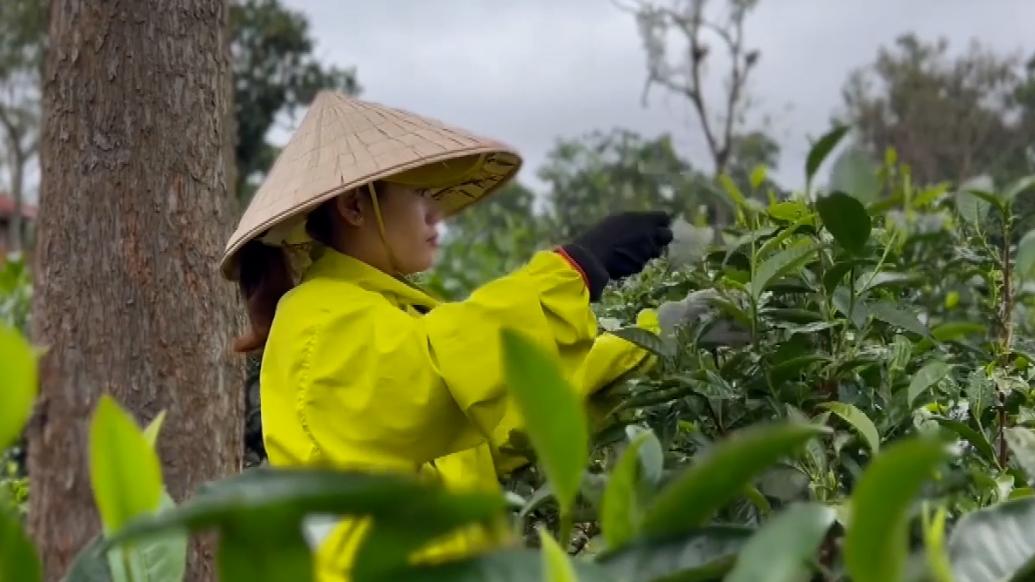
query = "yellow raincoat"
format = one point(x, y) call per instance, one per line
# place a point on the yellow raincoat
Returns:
point(365, 372)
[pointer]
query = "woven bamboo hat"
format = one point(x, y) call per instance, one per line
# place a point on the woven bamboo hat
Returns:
point(343, 144)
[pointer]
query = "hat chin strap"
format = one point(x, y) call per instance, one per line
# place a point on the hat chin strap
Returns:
point(392, 263)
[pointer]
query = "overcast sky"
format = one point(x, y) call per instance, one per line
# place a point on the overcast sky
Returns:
point(530, 71)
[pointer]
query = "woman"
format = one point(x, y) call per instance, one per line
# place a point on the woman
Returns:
point(363, 371)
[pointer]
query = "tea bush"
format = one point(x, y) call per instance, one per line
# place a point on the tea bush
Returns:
point(841, 391)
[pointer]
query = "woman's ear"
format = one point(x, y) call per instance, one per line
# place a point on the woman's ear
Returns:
point(350, 208)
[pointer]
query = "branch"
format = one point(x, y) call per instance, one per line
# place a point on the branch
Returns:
point(737, 80)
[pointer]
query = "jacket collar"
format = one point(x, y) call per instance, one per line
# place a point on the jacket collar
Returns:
point(334, 265)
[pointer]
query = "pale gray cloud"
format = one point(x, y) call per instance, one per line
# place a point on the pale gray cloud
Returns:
point(530, 71)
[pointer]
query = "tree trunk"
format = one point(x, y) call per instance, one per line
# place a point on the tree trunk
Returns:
point(135, 207)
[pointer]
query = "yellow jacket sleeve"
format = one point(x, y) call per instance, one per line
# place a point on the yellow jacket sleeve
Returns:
point(382, 388)
point(609, 358)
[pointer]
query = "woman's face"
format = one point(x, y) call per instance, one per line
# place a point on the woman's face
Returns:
point(411, 227)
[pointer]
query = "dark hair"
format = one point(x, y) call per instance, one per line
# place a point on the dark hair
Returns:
point(265, 277)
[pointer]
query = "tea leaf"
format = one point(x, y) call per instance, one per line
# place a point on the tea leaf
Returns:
point(18, 559)
point(701, 554)
point(876, 542)
point(856, 174)
point(554, 416)
point(781, 548)
point(647, 340)
point(296, 493)
point(995, 543)
point(975, 437)
point(778, 264)
point(124, 469)
point(897, 316)
point(846, 219)
point(18, 388)
point(720, 475)
point(620, 512)
point(556, 566)
point(1025, 262)
point(1019, 187)
point(929, 375)
point(822, 149)
point(859, 421)
point(153, 428)
point(758, 176)
point(1022, 444)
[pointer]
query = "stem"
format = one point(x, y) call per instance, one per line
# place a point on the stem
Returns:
point(1004, 452)
point(1006, 307)
point(564, 533)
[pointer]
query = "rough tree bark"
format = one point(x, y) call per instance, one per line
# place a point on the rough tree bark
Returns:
point(136, 204)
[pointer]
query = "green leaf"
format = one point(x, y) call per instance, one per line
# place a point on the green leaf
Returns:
point(995, 543)
point(1019, 187)
point(733, 191)
point(555, 418)
point(1022, 444)
point(789, 210)
point(832, 277)
point(758, 176)
point(18, 391)
point(934, 545)
point(975, 437)
point(876, 542)
point(930, 194)
point(783, 546)
point(954, 330)
point(928, 376)
point(1025, 262)
point(720, 475)
point(153, 428)
point(971, 207)
point(295, 493)
point(859, 312)
point(846, 219)
point(859, 421)
point(890, 313)
point(647, 340)
point(620, 511)
point(124, 469)
point(257, 551)
point(780, 263)
point(989, 198)
point(556, 566)
point(501, 566)
point(90, 564)
point(822, 149)
point(18, 559)
point(856, 174)
point(160, 558)
point(791, 367)
point(869, 281)
point(701, 554)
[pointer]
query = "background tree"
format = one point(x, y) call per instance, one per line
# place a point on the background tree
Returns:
point(602, 173)
point(275, 73)
point(682, 72)
point(22, 35)
point(948, 118)
point(136, 205)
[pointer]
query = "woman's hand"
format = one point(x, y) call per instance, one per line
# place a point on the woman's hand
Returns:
point(619, 246)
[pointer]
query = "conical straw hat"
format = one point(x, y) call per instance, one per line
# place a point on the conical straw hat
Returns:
point(344, 143)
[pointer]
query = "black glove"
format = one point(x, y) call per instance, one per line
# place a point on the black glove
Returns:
point(619, 246)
